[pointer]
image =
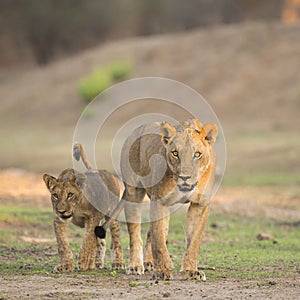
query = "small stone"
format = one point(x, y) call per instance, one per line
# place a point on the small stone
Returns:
point(265, 237)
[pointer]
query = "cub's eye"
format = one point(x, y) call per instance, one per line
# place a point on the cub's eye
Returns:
point(55, 196)
point(175, 153)
point(70, 195)
point(197, 154)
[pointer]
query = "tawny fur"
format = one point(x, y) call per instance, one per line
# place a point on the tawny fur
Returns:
point(189, 177)
point(69, 194)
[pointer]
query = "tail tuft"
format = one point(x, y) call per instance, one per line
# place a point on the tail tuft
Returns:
point(100, 232)
point(76, 151)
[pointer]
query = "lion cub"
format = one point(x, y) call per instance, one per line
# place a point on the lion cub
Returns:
point(74, 197)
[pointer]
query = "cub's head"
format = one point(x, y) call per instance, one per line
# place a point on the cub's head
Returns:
point(188, 151)
point(65, 192)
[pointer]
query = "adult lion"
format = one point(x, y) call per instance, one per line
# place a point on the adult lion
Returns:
point(171, 165)
point(75, 198)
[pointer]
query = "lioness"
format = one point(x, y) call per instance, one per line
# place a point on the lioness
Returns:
point(68, 196)
point(188, 177)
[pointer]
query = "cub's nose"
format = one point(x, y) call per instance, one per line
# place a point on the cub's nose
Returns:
point(61, 211)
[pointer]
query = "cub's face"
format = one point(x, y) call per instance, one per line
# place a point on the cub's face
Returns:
point(65, 193)
point(188, 151)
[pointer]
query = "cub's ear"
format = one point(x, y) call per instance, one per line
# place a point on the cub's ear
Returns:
point(50, 181)
point(194, 124)
point(80, 180)
point(211, 132)
point(167, 132)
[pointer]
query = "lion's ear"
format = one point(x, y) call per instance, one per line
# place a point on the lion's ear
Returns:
point(194, 124)
point(80, 180)
point(167, 132)
point(211, 132)
point(50, 181)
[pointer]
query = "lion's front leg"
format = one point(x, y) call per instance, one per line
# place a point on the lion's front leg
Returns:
point(66, 256)
point(196, 221)
point(88, 248)
point(158, 229)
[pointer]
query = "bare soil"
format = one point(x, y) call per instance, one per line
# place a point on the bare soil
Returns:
point(120, 287)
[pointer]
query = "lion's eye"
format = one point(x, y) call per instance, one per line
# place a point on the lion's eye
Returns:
point(55, 196)
point(175, 153)
point(70, 195)
point(197, 154)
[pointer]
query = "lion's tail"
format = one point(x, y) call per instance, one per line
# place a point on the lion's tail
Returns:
point(78, 152)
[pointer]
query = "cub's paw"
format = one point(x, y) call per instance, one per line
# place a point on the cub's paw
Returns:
point(148, 266)
point(117, 265)
point(165, 275)
point(64, 267)
point(194, 275)
point(99, 264)
point(134, 270)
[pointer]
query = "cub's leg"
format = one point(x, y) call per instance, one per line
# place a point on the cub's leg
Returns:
point(158, 228)
point(66, 256)
point(100, 253)
point(134, 196)
point(88, 248)
point(116, 247)
point(196, 221)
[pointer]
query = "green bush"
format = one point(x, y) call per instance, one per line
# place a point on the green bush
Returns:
point(120, 70)
point(103, 78)
point(94, 84)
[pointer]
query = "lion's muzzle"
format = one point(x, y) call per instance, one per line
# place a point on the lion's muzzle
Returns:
point(185, 187)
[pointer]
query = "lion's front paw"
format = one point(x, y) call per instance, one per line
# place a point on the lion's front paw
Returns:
point(85, 266)
point(194, 275)
point(135, 270)
point(117, 265)
point(64, 267)
point(162, 274)
point(148, 266)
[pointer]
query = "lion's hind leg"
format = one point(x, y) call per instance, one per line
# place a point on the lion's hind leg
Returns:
point(134, 196)
point(100, 253)
point(148, 257)
point(116, 247)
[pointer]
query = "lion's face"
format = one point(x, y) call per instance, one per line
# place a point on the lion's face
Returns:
point(188, 151)
point(65, 192)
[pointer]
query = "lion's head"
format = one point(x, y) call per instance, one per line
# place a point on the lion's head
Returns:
point(66, 192)
point(188, 151)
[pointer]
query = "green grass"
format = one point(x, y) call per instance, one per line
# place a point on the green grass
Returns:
point(232, 247)
point(262, 179)
point(237, 253)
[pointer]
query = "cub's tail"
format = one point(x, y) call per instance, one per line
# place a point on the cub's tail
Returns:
point(78, 152)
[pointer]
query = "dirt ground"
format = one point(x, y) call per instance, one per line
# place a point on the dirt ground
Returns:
point(92, 287)
point(29, 189)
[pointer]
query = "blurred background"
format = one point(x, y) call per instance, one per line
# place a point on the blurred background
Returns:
point(243, 56)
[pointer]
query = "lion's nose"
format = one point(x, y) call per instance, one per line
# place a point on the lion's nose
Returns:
point(184, 177)
point(61, 211)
